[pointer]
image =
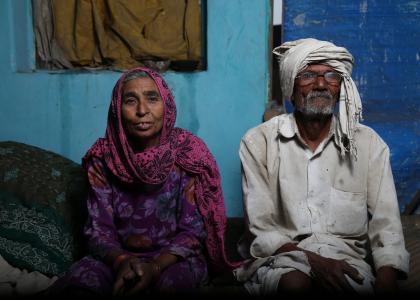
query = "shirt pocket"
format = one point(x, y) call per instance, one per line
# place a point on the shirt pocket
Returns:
point(347, 213)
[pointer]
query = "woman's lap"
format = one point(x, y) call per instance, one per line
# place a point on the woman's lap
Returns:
point(93, 276)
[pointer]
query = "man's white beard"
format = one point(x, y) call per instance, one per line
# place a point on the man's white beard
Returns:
point(317, 104)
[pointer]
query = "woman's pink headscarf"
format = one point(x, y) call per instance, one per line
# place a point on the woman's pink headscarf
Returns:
point(177, 147)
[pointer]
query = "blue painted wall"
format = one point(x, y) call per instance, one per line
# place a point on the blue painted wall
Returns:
point(384, 38)
point(66, 112)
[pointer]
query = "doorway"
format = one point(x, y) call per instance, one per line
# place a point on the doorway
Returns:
point(275, 105)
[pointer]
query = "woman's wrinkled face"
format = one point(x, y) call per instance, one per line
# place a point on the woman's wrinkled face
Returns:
point(142, 111)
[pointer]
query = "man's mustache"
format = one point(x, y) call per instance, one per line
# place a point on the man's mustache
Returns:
point(319, 94)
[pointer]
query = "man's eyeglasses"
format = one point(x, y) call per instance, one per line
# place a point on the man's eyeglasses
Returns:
point(331, 77)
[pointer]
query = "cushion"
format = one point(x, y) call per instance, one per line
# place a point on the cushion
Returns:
point(46, 192)
point(34, 237)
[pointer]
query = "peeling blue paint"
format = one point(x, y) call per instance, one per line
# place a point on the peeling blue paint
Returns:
point(67, 112)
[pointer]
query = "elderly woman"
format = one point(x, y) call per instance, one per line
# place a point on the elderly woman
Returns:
point(156, 211)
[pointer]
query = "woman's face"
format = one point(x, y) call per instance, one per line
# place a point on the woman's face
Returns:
point(142, 111)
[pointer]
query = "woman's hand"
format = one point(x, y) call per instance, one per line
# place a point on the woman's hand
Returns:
point(134, 276)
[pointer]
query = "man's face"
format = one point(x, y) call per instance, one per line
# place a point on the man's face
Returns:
point(318, 98)
point(142, 112)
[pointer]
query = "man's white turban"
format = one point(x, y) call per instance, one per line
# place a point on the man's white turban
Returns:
point(295, 56)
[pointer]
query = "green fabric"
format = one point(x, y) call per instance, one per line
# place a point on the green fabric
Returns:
point(33, 238)
point(47, 193)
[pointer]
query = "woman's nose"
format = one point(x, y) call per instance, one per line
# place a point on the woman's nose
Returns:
point(142, 108)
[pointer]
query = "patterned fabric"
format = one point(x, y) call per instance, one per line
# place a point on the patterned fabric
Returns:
point(177, 147)
point(38, 176)
point(43, 208)
point(163, 218)
point(34, 238)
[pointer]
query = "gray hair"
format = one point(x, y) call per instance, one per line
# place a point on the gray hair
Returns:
point(137, 74)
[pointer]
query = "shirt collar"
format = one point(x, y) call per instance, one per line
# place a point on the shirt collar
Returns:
point(289, 129)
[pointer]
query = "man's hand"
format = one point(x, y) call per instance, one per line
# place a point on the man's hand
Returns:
point(386, 280)
point(327, 273)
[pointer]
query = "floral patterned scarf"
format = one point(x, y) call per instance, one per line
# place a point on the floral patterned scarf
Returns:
point(177, 147)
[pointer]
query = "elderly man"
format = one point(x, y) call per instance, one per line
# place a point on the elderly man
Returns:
point(319, 196)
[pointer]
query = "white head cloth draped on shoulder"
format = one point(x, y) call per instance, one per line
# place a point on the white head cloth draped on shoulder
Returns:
point(296, 55)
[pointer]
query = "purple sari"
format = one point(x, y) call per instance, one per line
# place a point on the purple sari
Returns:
point(170, 194)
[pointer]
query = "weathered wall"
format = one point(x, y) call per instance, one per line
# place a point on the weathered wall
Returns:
point(66, 112)
point(384, 38)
